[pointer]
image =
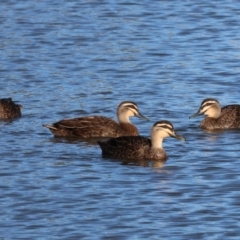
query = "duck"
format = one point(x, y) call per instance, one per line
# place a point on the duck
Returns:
point(9, 109)
point(227, 117)
point(140, 147)
point(99, 126)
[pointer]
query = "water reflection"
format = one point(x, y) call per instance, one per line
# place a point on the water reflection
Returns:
point(86, 141)
point(214, 130)
point(93, 142)
point(140, 162)
point(221, 131)
point(4, 122)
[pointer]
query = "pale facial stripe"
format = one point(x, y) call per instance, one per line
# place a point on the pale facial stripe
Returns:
point(206, 104)
point(164, 126)
point(131, 105)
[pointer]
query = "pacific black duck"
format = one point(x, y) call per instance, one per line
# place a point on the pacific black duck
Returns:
point(227, 117)
point(139, 147)
point(9, 109)
point(99, 126)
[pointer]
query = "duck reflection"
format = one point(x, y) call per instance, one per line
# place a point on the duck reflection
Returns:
point(141, 163)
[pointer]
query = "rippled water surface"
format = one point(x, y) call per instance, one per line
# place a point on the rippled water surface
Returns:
point(63, 59)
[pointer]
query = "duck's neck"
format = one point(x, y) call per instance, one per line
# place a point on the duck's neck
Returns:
point(156, 141)
point(123, 119)
point(129, 129)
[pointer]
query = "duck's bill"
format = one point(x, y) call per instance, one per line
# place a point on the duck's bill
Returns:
point(195, 115)
point(141, 116)
point(179, 137)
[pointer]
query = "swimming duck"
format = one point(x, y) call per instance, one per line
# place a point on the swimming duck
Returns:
point(227, 117)
point(139, 147)
point(99, 126)
point(9, 109)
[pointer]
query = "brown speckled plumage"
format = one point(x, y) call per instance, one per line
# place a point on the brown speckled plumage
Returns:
point(98, 126)
point(94, 126)
point(131, 147)
point(227, 117)
point(139, 147)
point(9, 109)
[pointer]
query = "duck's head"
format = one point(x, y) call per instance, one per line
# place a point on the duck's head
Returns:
point(163, 129)
point(209, 107)
point(128, 109)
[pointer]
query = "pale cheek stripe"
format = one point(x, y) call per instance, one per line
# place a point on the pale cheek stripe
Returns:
point(209, 104)
point(132, 107)
point(166, 127)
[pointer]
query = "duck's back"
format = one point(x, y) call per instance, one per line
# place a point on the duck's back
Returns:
point(9, 109)
point(93, 126)
point(128, 147)
point(229, 119)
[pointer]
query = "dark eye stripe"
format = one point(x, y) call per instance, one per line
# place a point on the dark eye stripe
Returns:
point(131, 106)
point(164, 124)
point(212, 100)
point(166, 127)
point(207, 104)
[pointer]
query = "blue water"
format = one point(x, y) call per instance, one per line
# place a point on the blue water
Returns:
point(62, 59)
